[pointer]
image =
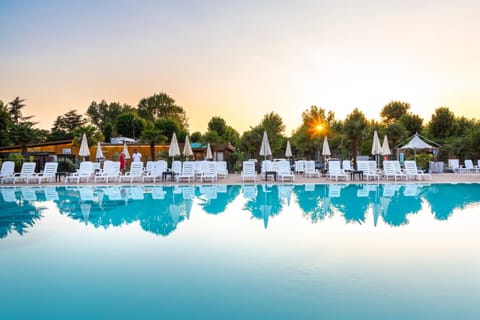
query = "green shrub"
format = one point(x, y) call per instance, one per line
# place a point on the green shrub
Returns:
point(18, 159)
point(423, 160)
point(66, 165)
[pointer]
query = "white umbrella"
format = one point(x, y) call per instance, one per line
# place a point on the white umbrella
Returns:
point(187, 148)
point(99, 154)
point(84, 151)
point(265, 147)
point(376, 147)
point(125, 150)
point(174, 150)
point(325, 148)
point(209, 152)
point(385, 147)
point(288, 150)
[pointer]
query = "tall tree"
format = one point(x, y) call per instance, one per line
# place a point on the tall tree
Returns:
point(316, 124)
point(65, 124)
point(129, 124)
point(393, 111)
point(5, 124)
point(15, 109)
point(152, 135)
point(100, 114)
point(168, 126)
point(161, 106)
point(93, 135)
point(219, 132)
point(442, 124)
point(412, 123)
point(251, 139)
point(354, 126)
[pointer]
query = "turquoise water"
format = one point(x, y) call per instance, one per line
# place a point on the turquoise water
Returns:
point(241, 252)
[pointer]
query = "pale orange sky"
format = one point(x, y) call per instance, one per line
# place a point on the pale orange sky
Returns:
point(240, 61)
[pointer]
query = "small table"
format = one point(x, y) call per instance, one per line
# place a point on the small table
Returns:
point(271, 173)
point(359, 173)
point(59, 175)
point(165, 174)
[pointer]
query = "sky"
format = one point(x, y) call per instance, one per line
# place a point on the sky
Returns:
point(240, 60)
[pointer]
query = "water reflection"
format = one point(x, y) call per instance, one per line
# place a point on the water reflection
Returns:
point(17, 212)
point(161, 209)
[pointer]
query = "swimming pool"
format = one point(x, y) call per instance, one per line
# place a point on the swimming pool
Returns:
point(241, 252)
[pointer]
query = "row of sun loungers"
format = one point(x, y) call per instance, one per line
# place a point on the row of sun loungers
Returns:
point(27, 173)
point(154, 170)
point(369, 170)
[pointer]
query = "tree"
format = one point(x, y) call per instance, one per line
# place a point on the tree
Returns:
point(217, 124)
point(196, 136)
point(108, 131)
point(251, 139)
point(354, 126)
point(15, 110)
point(316, 124)
point(93, 135)
point(129, 124)
point(396, 132)
point(168, 126)
point(65, 124)
point(442, 124)
point(5, 124)
point(219, 132)
point(151, 136)
point(21, 131)
point(272, 123)
point(393, 110)
point(161, 106)
point(412, 123)
point(100, 114)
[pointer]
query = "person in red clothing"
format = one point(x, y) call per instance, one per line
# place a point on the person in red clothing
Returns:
point(122, 162)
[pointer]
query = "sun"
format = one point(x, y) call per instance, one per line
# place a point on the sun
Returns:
point(316, 128)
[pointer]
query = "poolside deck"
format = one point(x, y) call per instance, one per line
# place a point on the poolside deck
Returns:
point(299, 179)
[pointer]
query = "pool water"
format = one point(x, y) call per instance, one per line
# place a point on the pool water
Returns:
point(241, 252)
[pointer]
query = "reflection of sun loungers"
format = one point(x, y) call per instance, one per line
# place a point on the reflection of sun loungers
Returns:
point(334, 190)
point(389, 190)
point(188, 192)
point(363, 192)
point(28, 194)
point(249, 191)
point(86, 193)
point(411, 190)
point(210, 192)
point(158, 193)
point(309, 187)
point(8, 195)
point(51, 193)
point(114, 193)
point(136, 193)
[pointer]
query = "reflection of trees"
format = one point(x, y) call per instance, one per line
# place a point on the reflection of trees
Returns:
point(445, 198)
point(161, 216)
point(218, 205)
point(309, 202)
point(400, 206)
point(352, 207)
point(265, 204)
point(17, 216)
point(154, 215)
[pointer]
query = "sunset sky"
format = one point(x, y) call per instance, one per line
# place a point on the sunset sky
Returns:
point(242, 59)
